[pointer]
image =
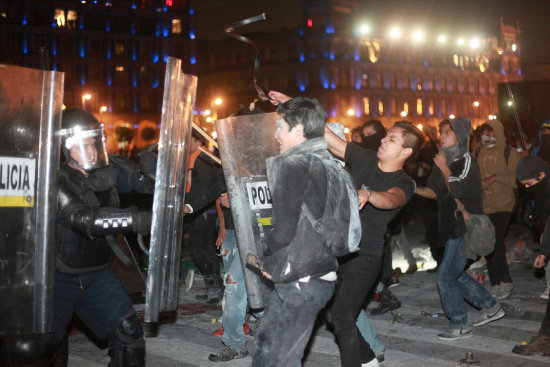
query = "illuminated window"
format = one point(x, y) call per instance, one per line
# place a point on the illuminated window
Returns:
point(120, 48)
point(406, 107)
point(366, 106)
point(60, 17)
point(372, 55)
point(119, 68)
point(418, 86)
point(431, 108)
point(380, 107)
point(419, 106)
point(176, 26)
point(72, 17)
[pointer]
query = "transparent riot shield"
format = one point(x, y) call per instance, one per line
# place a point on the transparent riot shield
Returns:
point(168, 202)
point(30, 106)
point(245, 142)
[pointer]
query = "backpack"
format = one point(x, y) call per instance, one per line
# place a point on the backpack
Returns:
point(341, 211)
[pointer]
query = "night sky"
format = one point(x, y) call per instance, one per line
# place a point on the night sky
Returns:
point(458, 18)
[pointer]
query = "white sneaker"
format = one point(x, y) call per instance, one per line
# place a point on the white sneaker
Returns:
point(373, 363)
point(546, 293)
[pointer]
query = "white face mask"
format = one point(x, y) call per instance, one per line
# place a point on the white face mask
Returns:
point(488, 141)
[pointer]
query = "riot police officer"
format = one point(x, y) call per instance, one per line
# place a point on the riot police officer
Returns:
point(88, 216)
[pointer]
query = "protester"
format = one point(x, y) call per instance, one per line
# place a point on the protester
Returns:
point(383, 188)
point(296, 259)
point(497, 164)
point(533, 172)
point(455, 183)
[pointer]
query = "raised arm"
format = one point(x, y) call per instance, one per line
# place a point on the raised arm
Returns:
point(336, 145)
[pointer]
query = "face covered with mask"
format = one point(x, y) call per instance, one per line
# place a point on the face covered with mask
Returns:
point(488, 138)
point(532, 172)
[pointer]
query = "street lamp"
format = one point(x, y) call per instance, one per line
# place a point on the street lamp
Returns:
point(214, 107)
point(351, 112)
point(101, 110)
point(85, 96)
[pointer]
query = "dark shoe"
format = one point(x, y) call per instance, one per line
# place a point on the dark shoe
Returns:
point(201, 297)
point(433, 270)
point(388, 302)
point(464, 332)
point(228, 354)
point(539, 346)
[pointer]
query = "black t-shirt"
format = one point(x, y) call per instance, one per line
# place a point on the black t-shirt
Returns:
point(364, 168)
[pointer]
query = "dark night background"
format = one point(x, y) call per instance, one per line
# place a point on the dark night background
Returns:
point(458, 18)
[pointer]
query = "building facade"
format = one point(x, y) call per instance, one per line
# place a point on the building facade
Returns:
point(113, 53)
point(358, 75)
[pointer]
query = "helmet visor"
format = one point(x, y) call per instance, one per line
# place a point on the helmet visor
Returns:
point(87, 148)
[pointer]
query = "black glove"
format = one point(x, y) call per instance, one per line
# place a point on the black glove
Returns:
point(148, 162)
point(141, 222)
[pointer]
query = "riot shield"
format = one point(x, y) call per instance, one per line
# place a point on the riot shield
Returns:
point(245, 142)
point(30, 106)
point(168, 203)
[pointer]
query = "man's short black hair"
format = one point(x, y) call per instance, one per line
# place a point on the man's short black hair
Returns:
point(306, 112)
point(412, 137)
point(445, 122)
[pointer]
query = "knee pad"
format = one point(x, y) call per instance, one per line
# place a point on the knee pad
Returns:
point(127, 345)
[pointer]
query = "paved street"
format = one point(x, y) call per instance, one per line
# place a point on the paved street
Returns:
point(410, 337)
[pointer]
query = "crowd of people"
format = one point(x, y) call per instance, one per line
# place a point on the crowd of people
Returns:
point(386, 168)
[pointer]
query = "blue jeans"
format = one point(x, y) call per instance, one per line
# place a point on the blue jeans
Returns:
point(288, 322)
point(234, 311)
point(455, 285)
point(368, 333)
point(98, 299)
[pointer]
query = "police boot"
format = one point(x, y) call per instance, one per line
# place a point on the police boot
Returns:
point(388, 302)
point(539, 346)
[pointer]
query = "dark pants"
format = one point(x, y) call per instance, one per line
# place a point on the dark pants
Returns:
point(545, 326)
point(288, 321)
point(203, 245)
point(98, 299)
point(386, 273)
point(497, 267)
point(355, 279)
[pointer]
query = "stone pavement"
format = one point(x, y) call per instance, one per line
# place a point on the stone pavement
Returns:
point(409, 333)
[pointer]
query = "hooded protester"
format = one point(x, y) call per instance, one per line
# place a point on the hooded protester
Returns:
point(533, 172)
point(373, 132)
point(497, 164)
point(455, 183)
point(543, 149)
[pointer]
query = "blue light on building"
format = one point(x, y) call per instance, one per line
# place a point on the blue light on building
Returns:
point(357, 112)
point(109, 80)
point(54, 66)
point(356, 55)
point(107, 25)
point(358, 83)
point(82, 51)
point(165, 58)
point(192, 34)
point(109, 52)
point(165, 32)
point(25, 46)
point(134, 81)
point(331, 55)
point(302, 58)
point(155, 57)
point(195, 112)
point(302, 87)
point(301, 31)
point(312, 55)
point(133, 6)
point(332, 85)
point(155, 83)
point(133, 28)
point(426, 63)
point(24, 20)
point(193, 60)
point(519, 72)
point(333, 112)
point(191, 11)
point(82, 79)
point(502, 71)
point(325, 84)
point(329, 29)
point(54, 48)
